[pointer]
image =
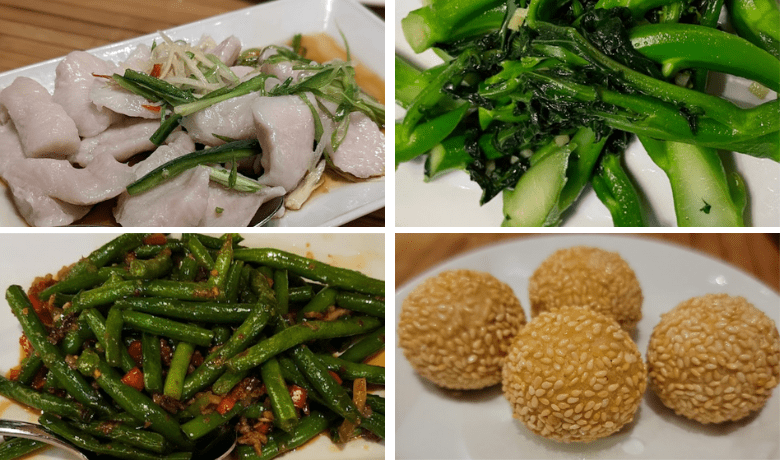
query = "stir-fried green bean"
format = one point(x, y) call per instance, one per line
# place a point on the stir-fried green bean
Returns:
point(42, 401)
point(50, 354)
point(19, 447)
point(162, 347)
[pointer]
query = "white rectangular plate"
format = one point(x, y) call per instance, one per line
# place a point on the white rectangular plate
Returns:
point(268, 23)
point(26, 256)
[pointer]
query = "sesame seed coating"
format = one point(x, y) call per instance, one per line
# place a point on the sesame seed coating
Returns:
point(587, 277)
point(597, 385)
point(714, 358)
point(455, 328)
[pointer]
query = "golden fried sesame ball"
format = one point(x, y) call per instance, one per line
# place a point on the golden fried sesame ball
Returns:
point(714, 358)
point(455, 328)
point(573, 375)
point(587, 277)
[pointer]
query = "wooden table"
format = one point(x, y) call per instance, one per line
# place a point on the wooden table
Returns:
point(32, 31)
point(755, 253)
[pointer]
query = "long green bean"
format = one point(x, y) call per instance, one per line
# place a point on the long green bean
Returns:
point(320, 302)
point(74, 339)
point(282, 291)
point(188, 268)
point(168, 328)
point(131, 400)
point(312, 269)
point(110, 293)
point(366, 346)
point(233, 281)
point(112, 337)
point(210, 312)
point(174, 382)
point(19, 447)
point(376, 402)
point(97, 323)
point(50, 354)
point(300, 294)
point(219, 272)
point(308, 428)
point(42, 401)
point(152, 363)
point(300, 333)
point(202, 425)
point(227, 382)
point(125, 434)
point(156, 267)
point(112, 251)
point(350, 371)
point(147, 251)
point(199, 252)
point(213, 365)
point(282, 405)
point(114, 449)
point(327, 386)
point(362, 304)
point(30, 367)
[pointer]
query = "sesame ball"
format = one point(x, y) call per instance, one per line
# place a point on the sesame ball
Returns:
point(714, 358)
point(574, 375)
point(587, 277)
point(455, 328)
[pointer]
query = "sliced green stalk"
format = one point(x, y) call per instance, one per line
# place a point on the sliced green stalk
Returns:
point(702, 197)
point(534, 200)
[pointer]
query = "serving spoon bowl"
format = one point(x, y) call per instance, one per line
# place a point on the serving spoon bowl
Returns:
point(13, 428)
point(267, 211)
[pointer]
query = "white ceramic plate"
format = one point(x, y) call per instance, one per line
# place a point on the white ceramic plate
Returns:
point(453, 200)
point(26, 256)
point(267, 23)
point(433, 423)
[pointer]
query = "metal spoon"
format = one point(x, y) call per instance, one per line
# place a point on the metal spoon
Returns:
point(12, 428)
point(267, 211)
point(36, 432)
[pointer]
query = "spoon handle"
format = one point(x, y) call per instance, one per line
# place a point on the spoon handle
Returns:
point(36, 432)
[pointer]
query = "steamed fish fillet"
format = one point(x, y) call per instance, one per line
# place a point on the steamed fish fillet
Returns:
point(229, 208)
point(231, 118)
point(104, 95)
point(120, 141)
point(103, 179)
point(227, 50)
point(72, 86)
point(281, 70)
point(178, 144)
point(45, 129)
point(35, 207)
point(180, 201)
point(362, 152)
point(285, 129)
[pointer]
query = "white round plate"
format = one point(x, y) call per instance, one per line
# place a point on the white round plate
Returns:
point(453, 200)
point(437, 424)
